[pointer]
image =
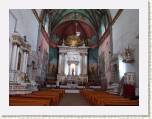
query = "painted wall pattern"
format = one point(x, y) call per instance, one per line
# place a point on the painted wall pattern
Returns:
point(53, 60)
point(104, 61)
point(43, 50)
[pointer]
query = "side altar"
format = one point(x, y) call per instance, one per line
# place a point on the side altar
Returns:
point(72, 65)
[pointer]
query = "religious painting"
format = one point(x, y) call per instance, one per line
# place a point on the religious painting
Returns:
point(93, 64)
point(53, 58)
point(52, 69)
point(53, 62)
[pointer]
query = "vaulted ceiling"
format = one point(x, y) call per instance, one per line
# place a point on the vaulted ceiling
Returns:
point(64, 22)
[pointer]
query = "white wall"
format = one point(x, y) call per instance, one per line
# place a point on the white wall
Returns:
point(26, 25)
point(125, 32)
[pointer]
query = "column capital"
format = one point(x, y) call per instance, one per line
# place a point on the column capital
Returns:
point(15, 42)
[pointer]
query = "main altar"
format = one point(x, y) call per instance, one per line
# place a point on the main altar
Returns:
point(72, 65)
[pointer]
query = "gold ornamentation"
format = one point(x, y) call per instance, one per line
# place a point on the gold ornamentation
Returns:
point(73, 40)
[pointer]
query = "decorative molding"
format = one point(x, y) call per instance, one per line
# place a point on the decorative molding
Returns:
point(18, 40)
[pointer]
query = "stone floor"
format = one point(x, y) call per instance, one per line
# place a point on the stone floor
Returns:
point(70, 99)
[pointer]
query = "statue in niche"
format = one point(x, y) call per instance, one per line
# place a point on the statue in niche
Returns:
point(127, 55)
point(72, 71)
point(26, 78)
point(93, 69)
point(127, 52)
point(53, 67)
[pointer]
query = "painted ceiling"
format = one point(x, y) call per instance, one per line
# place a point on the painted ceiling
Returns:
point(62, 23)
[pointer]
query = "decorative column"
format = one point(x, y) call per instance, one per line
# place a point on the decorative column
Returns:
point(81, 64)
point(76, 69)
point(68, 69)
point(63, 63)
point(26, 59)
point(23, 63)
point(10, 51)
point(14, 52)
point(85, 63)
point(18, 49)
point(59, 64)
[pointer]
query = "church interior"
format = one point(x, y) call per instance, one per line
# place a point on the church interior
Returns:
point(73, 57)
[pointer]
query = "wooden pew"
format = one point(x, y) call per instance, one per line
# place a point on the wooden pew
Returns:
point(53, 95)
point(23, 101)
point(104, 98)
point(61, 92)
point(54, 100)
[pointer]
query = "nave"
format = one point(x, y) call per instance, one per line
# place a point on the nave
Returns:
point(73, 57)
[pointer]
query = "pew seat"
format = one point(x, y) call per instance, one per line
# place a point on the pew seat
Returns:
point(24, 101)
point(101, 98)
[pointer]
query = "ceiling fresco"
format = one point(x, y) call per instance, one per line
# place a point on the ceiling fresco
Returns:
point(64, 22)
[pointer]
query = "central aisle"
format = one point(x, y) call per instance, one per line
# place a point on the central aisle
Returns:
point(73, 99)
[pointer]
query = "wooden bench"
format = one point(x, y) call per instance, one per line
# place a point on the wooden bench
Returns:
point(53, 95)
point(23, 101)
point(104, 98)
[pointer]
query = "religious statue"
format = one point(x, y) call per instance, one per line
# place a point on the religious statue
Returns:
point(72, 71)
point(26, 78)
point(127, 52)
point(127, 55)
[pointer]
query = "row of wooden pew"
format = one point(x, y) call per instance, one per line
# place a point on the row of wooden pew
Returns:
point(46, 97)
point(101, 98)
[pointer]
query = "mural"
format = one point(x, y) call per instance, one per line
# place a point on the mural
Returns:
point(52, 69)
point(53, 60)
point(93, 55)
point(52, 66)
point(105, 72)
point(102, 71)
point(93, 52)
point(42, 54)
point(93, 64)
point(93, 72)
